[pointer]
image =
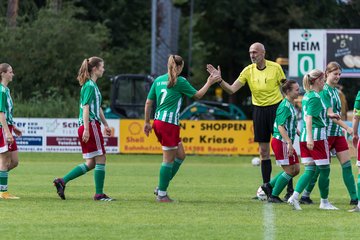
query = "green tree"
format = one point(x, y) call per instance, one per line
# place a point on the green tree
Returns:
point(224, 30)
point(48, 51)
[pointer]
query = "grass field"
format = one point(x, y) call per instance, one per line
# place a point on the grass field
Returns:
point(213, 202)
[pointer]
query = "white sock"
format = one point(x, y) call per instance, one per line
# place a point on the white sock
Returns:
point(324, 201)
point(296, 195)
point(162, 193)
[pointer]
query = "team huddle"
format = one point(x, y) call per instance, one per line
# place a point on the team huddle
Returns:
point(274, 114)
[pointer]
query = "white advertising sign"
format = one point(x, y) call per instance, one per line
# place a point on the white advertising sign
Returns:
point(307, 48)
point(58, 135)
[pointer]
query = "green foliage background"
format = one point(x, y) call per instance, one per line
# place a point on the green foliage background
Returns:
point(47, 47)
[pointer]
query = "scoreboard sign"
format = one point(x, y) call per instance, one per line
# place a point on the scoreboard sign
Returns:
point(314, 48)
point(306, 51)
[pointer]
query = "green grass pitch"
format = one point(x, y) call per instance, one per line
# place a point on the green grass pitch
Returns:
point(213, 196)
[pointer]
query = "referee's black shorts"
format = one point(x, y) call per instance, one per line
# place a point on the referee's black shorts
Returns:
point(263, 119)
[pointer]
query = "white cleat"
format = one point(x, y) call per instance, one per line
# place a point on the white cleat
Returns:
point(294, 202)
point(355, 209)
point(327, 206)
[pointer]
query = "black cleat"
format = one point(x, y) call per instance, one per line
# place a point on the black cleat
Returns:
point(306, 200)
point(353, 202)
point(287, 196)
point(267, 188)
point(275, 199)
point(60, 187)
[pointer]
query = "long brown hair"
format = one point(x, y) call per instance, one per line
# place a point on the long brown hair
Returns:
point(4, 68)
point(310, 78)
point(175, 65)
point(331, 67)
point(287, 85)
point(86, 68)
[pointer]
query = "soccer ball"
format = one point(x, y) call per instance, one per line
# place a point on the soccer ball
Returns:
point(261, 194)
point(255, 161)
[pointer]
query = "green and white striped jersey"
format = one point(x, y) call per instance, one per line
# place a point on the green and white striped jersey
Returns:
point(312, 105)
point(169, 100)
point(331, 98)
point(90, 95)
point(357, 105)
point(6, 104)
point(285, 116)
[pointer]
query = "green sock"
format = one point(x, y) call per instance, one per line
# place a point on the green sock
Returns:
point(313, 181)
point(324, 181)
point(305, 178)
point(274, 179)
point(77, 171)
point(165, 175)
point(3, 181)
point(281, 183)
point(99, 177)
point(358, 187)
point(176, 166)
point(348, 178)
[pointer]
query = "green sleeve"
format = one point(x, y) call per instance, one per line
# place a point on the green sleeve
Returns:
point(185, 87)
point(152, 93)
point(88, 93)
point(2, 101)
point(281, 115)
point(357, 101)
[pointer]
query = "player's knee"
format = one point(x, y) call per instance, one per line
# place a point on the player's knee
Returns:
point(15, 164)
point(181, 156)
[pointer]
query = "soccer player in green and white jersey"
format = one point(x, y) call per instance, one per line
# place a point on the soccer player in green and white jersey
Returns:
point(89, 132)
point(8, 149)
point(285, 129)
point(336, 138)
point(168, 90)
point(313, 140)
point(356, 144)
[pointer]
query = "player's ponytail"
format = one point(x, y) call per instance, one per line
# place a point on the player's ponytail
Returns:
point(175, 66)
point(310, 78)
point(86, 67)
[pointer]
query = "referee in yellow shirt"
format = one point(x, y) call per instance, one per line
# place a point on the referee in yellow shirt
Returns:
point(264, 79)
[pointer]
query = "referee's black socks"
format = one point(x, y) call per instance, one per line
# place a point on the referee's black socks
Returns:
point(266, 169)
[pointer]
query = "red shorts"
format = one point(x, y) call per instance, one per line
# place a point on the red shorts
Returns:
point(167, 134)
point(4, 146)
point(320, 153)
point(281, 154)
point(338, 143)
point(95, 145)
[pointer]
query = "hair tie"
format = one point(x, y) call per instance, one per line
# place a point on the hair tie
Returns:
point(313, 80)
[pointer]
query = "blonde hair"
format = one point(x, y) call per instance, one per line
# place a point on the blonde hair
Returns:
point(310, 78)
point(86, 67)
point(175, 65)
point(331, 67)
point(4, 68)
